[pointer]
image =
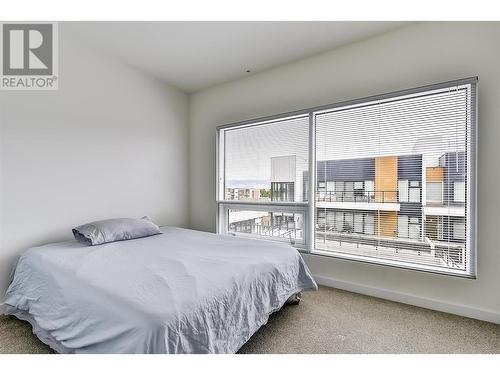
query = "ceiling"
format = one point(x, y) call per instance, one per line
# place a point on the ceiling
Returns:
point(195, 55)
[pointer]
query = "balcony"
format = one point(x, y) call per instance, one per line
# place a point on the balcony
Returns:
point(382, 200)
point(440, 254)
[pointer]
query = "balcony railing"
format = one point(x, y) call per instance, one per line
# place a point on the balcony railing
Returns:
point(286, 230)
point(441, 253)
point(366, 196)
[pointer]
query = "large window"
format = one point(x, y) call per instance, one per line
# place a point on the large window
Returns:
point(389, 179)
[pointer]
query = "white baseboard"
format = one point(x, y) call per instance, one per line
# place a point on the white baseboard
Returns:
point(467, 311)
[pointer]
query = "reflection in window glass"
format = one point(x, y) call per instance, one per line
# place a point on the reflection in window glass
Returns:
point(275, 225)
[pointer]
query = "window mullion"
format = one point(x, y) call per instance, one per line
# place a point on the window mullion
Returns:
point(311, 217)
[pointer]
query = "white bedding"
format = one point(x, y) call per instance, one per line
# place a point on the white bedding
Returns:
point(182, 291)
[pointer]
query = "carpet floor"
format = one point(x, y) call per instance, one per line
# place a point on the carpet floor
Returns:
point(334, 321)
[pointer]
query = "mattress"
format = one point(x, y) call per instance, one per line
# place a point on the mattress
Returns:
point(182, 291)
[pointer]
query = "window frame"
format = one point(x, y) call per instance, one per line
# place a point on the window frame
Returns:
point(462, 194)
point(307, 208)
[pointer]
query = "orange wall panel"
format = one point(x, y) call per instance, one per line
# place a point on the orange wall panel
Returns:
point(434, 174)
point(386, 179)
point(387, 223)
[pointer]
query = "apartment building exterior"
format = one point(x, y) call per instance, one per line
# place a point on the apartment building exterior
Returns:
point(283, 179)
point(397, 201)
point(374, 196)
point(444, 210)
point(411, 202)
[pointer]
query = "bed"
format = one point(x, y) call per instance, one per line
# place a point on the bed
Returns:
point(182, 291)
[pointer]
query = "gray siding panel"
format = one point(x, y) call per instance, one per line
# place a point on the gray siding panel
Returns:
point(346, 170)
point(410, 167)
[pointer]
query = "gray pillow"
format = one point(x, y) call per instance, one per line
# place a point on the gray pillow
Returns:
point(111, 230)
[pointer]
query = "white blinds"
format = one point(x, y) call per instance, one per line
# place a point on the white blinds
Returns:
point(391, 179)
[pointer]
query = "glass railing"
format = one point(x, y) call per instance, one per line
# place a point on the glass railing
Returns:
point(365, 196)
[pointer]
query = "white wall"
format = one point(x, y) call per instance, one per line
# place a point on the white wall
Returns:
point(418, 54)
point(111, 142)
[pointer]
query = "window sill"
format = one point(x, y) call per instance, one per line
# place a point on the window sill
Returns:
point(389, 263)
